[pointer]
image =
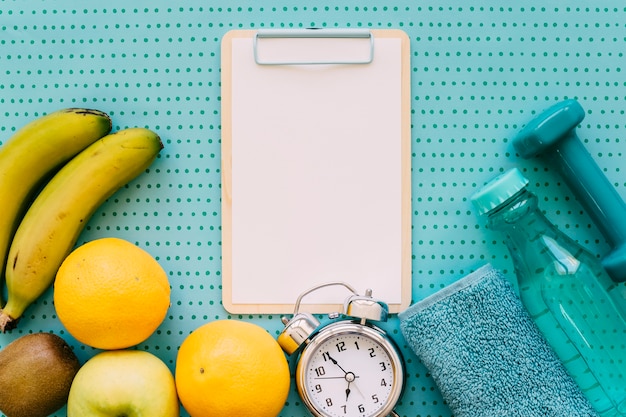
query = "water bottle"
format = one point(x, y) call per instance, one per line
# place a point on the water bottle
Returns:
point(575, 304)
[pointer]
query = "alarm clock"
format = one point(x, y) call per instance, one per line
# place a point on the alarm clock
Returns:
point(348, 367)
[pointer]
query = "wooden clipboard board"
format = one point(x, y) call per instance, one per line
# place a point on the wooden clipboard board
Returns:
point(316, 168)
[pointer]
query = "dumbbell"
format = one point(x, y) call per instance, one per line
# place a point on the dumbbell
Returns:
point(553, 135)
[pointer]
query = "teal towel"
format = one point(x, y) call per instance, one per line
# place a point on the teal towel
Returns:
point(486, 354)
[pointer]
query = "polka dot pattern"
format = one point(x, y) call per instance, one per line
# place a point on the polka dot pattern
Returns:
point(480, 71)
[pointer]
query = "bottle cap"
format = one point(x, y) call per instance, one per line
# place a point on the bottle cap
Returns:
point(498, 190)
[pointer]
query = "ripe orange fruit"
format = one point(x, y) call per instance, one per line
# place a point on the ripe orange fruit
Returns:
point(111, 294)
point(231, 368)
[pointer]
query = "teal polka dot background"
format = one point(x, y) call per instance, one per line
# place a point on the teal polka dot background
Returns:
point(480, 71)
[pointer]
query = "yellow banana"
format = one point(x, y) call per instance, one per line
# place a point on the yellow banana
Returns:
point(57, 216)
point(33, 153)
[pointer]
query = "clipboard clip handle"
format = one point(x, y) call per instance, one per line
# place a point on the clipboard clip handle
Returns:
point(319, 33)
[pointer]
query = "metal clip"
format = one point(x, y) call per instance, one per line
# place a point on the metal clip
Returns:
point(313, 33)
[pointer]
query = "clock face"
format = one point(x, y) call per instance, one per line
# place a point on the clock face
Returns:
point(350, 373)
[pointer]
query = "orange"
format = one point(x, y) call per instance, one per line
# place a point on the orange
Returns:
point(231, 368)
point(111, 294)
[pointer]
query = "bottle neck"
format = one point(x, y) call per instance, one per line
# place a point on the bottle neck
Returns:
point(510, 214)
point(524, 228)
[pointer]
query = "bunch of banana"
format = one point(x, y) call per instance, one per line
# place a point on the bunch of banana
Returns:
point(59, 212)
point(36, 151)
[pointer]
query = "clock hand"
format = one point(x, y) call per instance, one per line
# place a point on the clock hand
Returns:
point(350, 375)
point(350, 378)
point(337, 363)
point(330, 377)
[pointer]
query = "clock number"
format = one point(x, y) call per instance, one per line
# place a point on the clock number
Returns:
point(320, 371)
point(329, 402)
point(326, 356)
point(361, 408)
point(383, 367)
point(341, 346)
point(375, 399)
point(372, 353)
point(318, 388)
point(357, 345)
point(383, 383)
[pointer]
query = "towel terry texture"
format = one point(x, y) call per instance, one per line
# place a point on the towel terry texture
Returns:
point(485, 353)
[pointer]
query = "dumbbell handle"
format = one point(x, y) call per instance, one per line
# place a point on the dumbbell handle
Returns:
point(585, 178)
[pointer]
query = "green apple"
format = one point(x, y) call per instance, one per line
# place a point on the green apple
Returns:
point(129, 383)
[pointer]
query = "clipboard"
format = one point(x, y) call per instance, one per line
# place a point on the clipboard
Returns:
point(316, 168)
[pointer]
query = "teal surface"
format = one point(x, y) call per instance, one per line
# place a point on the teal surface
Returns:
point(480, 71)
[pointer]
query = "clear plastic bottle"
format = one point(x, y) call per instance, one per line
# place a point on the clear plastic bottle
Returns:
point(576, 305)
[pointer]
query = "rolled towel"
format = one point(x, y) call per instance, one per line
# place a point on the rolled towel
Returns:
point(485, 353)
